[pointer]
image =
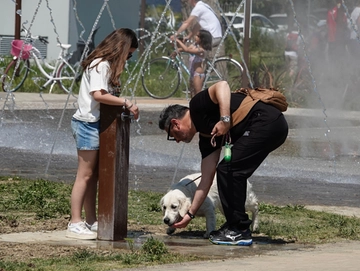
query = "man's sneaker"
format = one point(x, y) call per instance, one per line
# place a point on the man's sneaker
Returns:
point(93, 227)
point(219, 231)
point(232, 237)
point(80, 231)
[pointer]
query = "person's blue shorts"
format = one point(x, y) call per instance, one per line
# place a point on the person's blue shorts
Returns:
point(86, 134)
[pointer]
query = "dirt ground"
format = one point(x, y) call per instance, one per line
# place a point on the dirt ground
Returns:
point(26, 251)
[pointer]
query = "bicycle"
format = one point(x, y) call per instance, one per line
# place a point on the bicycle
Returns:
point(18, 69)
point(162, 76)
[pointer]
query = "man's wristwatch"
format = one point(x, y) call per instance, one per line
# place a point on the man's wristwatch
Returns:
point(225, 119)
point(190, 215)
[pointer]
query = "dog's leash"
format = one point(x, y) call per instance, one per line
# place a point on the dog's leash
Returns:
point(213, 143)
point(193, 180)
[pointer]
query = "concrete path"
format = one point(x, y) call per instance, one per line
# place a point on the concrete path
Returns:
point(334, 257)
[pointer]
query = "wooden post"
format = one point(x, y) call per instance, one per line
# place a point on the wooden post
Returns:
point(17, 20)
point(113, 173)
point(247, 18)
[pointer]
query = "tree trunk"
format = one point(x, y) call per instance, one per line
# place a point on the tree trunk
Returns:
point(185, 9)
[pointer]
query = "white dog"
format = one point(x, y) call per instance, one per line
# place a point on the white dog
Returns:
point(176, 202)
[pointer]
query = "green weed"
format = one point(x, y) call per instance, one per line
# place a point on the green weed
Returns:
point(46, 199)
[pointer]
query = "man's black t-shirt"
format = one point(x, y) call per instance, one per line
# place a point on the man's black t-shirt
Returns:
point(205, 114)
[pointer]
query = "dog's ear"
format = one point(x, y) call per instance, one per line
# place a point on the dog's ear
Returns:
point(185, 204)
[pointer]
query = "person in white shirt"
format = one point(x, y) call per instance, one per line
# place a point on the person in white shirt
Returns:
point(354, 44)
point(99, 83)
point(205, 18)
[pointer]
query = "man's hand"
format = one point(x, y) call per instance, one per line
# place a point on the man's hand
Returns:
point(183, 223)
point(220, 128)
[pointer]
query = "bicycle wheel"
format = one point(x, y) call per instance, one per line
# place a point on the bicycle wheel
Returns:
point(66, 72)
point(13, 79)
point(226, 69)
point(161, 78)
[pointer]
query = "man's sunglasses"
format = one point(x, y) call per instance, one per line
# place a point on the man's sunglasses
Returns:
point(170, 138)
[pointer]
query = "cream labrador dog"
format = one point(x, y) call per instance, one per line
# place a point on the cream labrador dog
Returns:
point(176, 202)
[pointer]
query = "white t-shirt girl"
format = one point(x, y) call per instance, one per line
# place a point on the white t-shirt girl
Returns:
point(93, 79)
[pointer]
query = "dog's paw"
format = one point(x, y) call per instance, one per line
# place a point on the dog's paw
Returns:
point(170, 230)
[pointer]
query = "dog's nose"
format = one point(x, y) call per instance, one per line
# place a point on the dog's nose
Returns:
point(166, 221)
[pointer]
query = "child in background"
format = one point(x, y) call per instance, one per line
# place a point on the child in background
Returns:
point(203, 41)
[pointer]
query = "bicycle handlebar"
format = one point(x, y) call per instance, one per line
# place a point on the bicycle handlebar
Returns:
point(40, 38)
point(43, 40)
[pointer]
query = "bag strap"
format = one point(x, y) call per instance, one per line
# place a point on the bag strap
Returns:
point(206, 5)
point(217, 16)
point(243, 110)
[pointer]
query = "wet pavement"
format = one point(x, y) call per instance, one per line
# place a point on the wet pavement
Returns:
point(317, 167)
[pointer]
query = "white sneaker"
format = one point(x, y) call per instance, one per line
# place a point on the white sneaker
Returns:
point(93, 227)
point(80, 231)
point(186, 91)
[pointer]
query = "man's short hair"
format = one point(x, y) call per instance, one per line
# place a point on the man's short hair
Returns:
point(175, 111)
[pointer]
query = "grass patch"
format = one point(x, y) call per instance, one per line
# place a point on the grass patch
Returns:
point(42, 198)
point(28, 205)
point(298, 224)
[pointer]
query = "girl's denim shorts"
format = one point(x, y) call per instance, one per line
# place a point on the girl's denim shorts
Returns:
point(86, 134)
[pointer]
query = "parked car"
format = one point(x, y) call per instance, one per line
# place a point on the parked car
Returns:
point(281, 20)
point(320, 13)
point(257, 20)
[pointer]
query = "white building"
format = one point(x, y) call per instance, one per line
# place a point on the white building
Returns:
point(59, 20)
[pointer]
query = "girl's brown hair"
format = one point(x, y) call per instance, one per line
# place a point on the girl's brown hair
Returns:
point(115, 49)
